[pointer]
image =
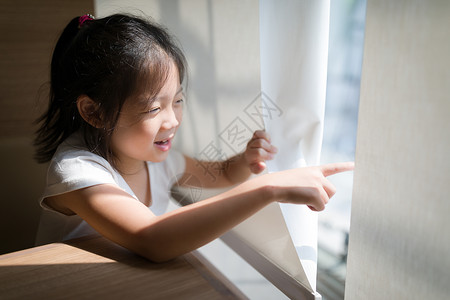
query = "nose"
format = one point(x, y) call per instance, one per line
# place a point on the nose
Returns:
point(170, 120)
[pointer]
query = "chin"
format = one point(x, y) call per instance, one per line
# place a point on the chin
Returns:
point(158, 158)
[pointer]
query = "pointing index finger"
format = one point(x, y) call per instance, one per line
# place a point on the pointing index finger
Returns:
point(334, 168)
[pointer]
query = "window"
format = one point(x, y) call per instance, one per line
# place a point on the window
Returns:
point(347, 22)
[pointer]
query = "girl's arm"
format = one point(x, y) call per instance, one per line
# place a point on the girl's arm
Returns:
point(235, 169)
point(122, 219)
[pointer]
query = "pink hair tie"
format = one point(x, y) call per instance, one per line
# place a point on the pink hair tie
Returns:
point(84, 18)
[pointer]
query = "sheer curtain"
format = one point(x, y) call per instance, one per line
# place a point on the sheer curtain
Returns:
point(294, 49)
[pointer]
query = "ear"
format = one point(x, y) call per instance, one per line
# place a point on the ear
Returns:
point(89, 111)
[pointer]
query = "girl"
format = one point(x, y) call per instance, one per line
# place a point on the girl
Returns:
point(115, 106)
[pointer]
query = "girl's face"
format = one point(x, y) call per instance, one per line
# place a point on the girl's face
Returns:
point(146, 134)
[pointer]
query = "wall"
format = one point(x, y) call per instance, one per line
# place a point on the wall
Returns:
point(29, 30)
point(399, 235)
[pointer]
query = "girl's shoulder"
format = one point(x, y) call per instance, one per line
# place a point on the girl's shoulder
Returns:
point(74, 167)
point(73, 147)
point(74, 163)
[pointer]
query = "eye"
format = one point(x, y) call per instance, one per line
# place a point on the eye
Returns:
point(153, 110)
point(180, 101)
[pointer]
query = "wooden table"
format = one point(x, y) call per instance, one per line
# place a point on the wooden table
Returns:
point(95, 268)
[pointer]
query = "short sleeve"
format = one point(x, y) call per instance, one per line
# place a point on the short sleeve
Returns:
point(72, 170)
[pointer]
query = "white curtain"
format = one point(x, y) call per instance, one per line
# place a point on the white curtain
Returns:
point(294, 51)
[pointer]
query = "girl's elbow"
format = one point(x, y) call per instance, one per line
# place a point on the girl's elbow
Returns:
point(155, 250)
point(158, 257)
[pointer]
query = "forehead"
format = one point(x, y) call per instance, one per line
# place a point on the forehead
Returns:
point(171, 85)
point(166, 87)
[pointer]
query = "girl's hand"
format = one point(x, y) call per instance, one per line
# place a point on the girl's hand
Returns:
point(259, 149)
point(307, 185)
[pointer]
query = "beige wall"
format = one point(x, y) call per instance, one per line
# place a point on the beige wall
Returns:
point(29, 30)
point(399, 235)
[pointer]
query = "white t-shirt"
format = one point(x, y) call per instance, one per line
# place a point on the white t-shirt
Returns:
point(74, 167)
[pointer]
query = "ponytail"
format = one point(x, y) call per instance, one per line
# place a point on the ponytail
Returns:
point(54, 129)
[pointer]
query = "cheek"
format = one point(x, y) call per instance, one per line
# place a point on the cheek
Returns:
point(147, 129)
point(179, 115)
point(138, 133)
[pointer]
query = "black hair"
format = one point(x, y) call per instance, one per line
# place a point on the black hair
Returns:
point(109, 60)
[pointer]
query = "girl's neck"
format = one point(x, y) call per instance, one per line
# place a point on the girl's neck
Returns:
point(138, 179)
point(131, 168)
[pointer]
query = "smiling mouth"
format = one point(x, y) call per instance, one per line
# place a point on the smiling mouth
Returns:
point(163, 145)
point(164, 142)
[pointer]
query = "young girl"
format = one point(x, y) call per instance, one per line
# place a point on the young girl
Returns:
point(115, 107)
